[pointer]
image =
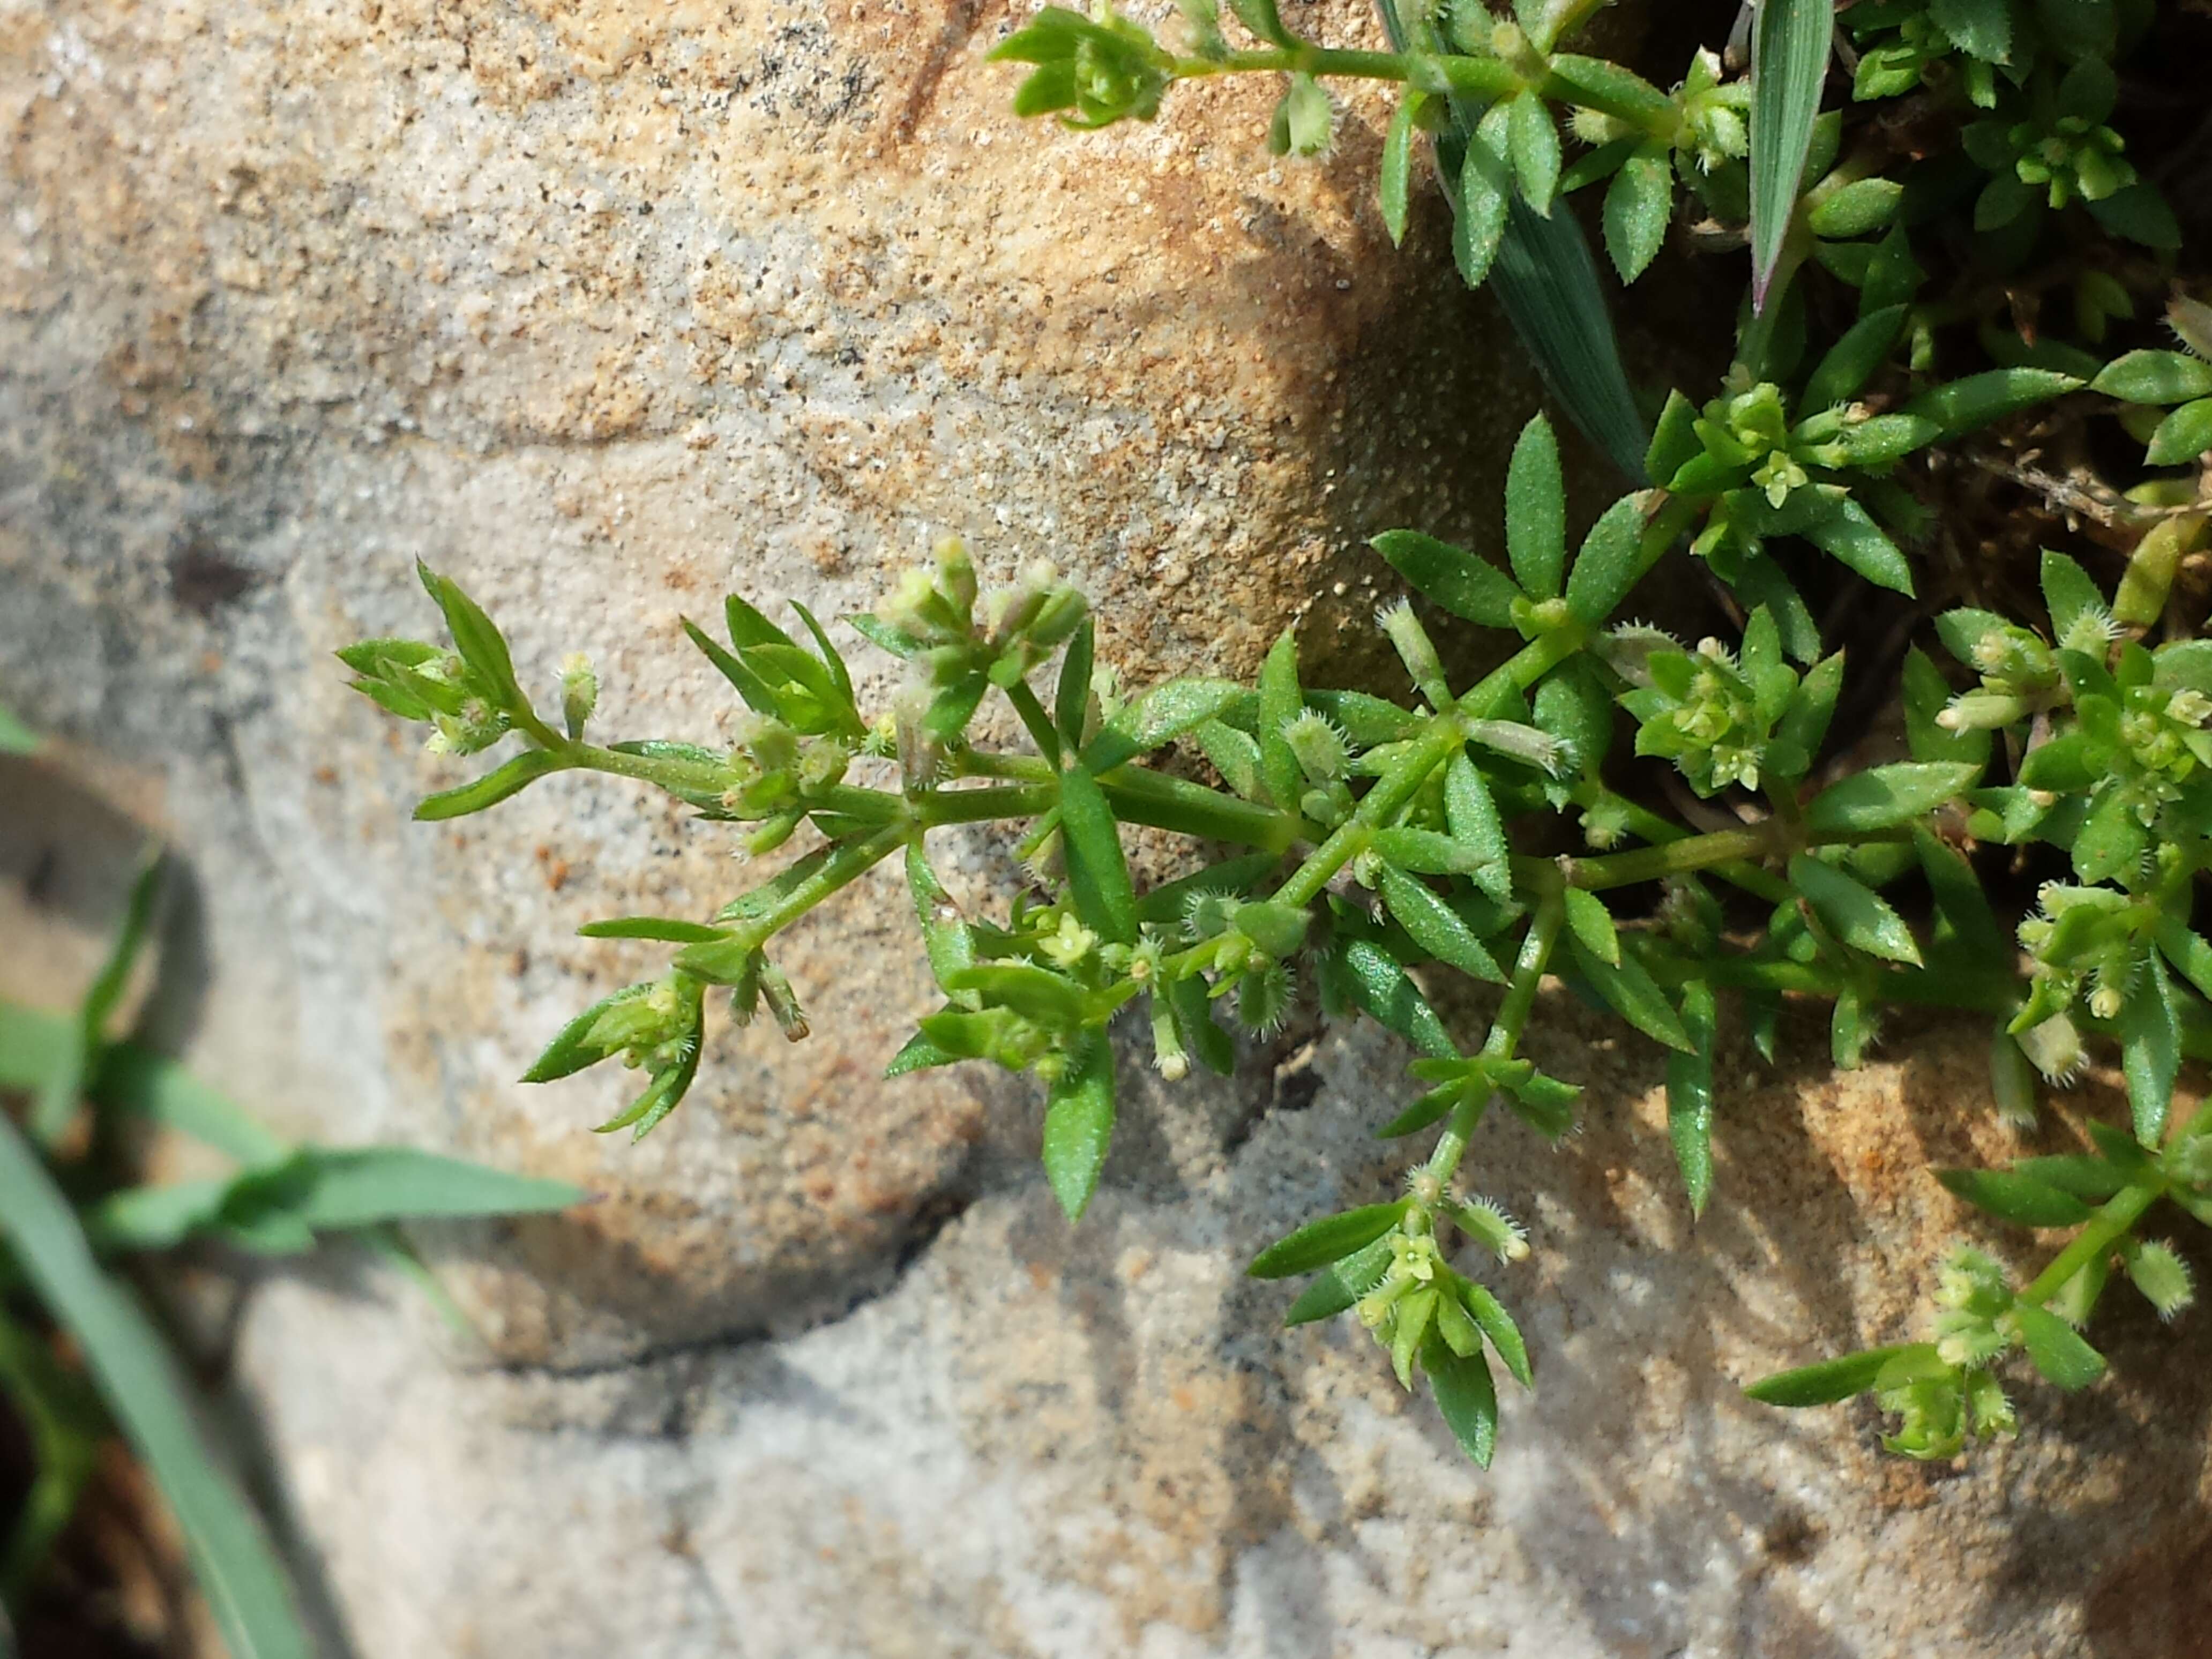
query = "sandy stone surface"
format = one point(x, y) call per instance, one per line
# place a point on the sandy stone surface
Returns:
point(606, 306)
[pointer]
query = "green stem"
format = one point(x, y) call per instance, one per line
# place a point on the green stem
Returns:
point(1504, 1030)
point(663, 771)
point(1772, 839)
point(2103, 1231)
point(1162, 802)
point(934, 807)
point(847, 864)
point(1486, 78)
point(1444, 738)
point(1647, 825)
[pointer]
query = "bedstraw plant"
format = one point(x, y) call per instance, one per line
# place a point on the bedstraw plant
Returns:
point(1734, 852)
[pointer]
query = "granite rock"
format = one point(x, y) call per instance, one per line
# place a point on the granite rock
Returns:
point(606, 306)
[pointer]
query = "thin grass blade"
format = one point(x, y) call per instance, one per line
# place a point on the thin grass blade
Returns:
point(246, 1588)
point(1789, 45)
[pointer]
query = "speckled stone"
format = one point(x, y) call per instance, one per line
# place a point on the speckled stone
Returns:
point(606, 306)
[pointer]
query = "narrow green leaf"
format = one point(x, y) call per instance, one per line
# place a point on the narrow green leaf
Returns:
point(1495, 1323)
point(2187, 951)
point(833, 661)
point(1600, 163)
point(1591, 924)
point(1451, 577)
point(348, 1187)
point(1981, 29)
point(1690, 1098)
point(1470, 814)
point(1280, 704)
point(1367, 720)
point(1961, 906)
point(1466, 1398)
point(1608, 563)
point(1883, 797)
point(75, 1062)
point(2140, 214)
point(1332, 1238)
point(479, 641)
point(1035, 992)
point(488, 791)
point(1631, 992)
point(1485, 195)
point(1435, 928)
point(1926, 694)
point(946, 939)
point(1851, 362)
point(918, 1054)
point(154, 1218)
point(1263, 19)
point(1194, 1021)
point(1097, 873)
point(2150, 1049)
point(1536, 512)
point(2057, 1348)
point(1533, 138)
point(1789, 41)
point(2068, 593)
point(2155, 377)
point(1379, 984)
point(1546, 281)
point(877, 633)
point(2014, 1196)
point(1340, 1285)
point(1858, 208)
point(1850, 536)
point(1161, 715)
point(1078, 1125)
point(2086, 1177)
point(237, 1572)
point(2183, 435)
point(667, 928)
point(1639, 205)
point(1857, 916)
point(1966, 405)
point(1830, 1380)
point(1395, 186)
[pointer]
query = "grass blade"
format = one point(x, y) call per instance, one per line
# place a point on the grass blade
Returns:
point(246, 1588)
point(1545, 277)
point(1789, 45)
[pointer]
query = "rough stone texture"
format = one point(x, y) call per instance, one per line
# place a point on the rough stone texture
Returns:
point(607, 304)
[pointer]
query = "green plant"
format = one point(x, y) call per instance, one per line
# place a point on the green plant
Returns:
point(66, 1214)
point(1387, 842)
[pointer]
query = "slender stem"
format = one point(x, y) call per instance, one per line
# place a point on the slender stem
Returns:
point(1162, 802)
point(1504, 1030)
point(1424, 755)
point(1674, 857)
point(669, 772)
point(850, 860)
point(1648, 825)
point(1485, 78)
point(2103, 1231)
point(934, 807)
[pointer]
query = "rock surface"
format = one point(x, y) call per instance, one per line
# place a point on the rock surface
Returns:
point(605, 305)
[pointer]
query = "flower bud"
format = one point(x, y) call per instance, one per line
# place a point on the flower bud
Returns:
point(1490, 1227)
point(580, 692)
point(2162, 1276)
point(1416, 650)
